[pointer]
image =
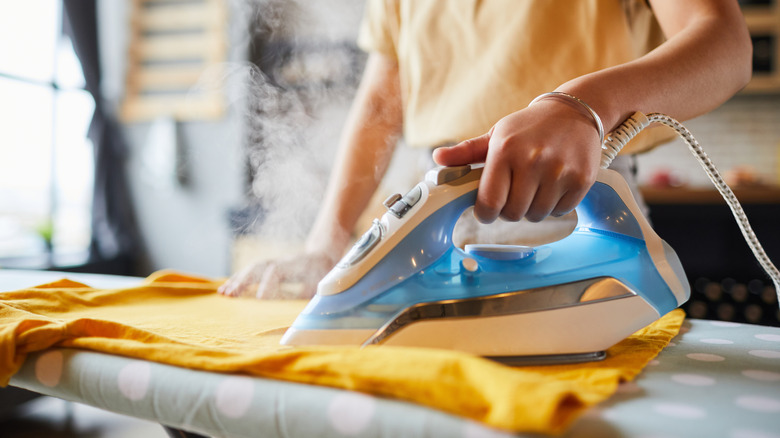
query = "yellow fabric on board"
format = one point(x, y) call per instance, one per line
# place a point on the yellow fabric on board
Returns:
point(179, 320)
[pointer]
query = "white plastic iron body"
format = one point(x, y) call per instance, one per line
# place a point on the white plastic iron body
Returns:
point(405, 283)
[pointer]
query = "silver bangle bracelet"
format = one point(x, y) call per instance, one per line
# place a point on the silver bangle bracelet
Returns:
point(587, 107)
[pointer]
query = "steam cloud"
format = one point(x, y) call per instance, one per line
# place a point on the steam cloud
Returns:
point(297, 93)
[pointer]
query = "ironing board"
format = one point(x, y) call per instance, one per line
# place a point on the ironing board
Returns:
point(715, 379)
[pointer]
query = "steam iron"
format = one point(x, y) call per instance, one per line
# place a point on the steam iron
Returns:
point(405, 283)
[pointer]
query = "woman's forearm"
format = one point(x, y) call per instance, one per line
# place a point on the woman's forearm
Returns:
point(705, 60)
point(366, 147)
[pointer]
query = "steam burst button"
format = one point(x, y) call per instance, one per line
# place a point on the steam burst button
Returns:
point(444, 175)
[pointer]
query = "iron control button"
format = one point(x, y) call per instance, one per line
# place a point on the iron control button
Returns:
point(469, 271)
point(399, 205)
point(470, 264)
point(363, 246)
point(413, 196)
point(392, 199)
point(447, 174)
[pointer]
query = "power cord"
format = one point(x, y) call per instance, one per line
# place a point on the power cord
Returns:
point(637, 122)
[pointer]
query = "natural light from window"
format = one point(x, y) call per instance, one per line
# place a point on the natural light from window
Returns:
point(46, 160)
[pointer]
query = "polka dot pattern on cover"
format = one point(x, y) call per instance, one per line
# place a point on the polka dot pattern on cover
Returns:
point(48, 368)
point(350, 413)
point(715, 380)
point(133, 380)
point(234, 396)
point(719, 379)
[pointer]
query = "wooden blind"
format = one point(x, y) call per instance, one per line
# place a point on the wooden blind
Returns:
point(177, 49)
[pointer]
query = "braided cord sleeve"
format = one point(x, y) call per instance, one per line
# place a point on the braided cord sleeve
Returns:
point(620, 136)
point(638, 121)
point(726, 192)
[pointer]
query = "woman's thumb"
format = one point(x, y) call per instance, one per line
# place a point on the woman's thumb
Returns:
point(470, 151)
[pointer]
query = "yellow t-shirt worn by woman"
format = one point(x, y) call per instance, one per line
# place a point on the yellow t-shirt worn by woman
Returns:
point(465, 64)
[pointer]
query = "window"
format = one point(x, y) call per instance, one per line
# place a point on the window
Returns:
point(46, 160)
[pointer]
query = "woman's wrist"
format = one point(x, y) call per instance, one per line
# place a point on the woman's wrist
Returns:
point(579, 104)
point(330, 244)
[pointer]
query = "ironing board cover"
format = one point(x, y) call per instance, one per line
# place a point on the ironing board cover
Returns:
point(179, 320)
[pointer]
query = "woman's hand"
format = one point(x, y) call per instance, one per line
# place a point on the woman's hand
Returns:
point(539, 161)
point(293, 277)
